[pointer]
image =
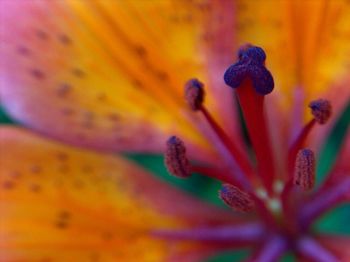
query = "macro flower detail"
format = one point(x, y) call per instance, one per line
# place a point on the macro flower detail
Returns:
point(90, 83)
point(286, 215)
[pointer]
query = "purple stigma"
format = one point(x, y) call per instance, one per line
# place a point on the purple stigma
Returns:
point(250, 64)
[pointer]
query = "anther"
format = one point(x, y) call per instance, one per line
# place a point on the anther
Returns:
point(321, 109)
point(235, 198)
point(304, 175)
point(250, 64)
point(175, 158)
point(194, 93)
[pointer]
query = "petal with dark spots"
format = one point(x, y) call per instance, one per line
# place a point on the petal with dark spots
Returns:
point(97, 206)
point(103, 57)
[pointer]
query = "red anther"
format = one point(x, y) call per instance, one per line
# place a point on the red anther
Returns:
point(235, 198)
point(175, 158)
point(304, 175)
point(321, 109)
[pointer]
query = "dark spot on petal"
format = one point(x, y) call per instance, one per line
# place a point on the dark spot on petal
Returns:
point(42, 34)
point(8, 184)
point(88, 119)
point(15, 174)
point(140, 51)
point(137, 83)
point(22, 50)
point(64, 215)
point(63, 218)
point(46, 259)
point(63, 89)
point(188, 18)
point(64, 39)
point(80, 136)
point(62, 224)
point(67, 111)
point(94, 257)
point(78, 184)
point(163, 76)
point(87, 169)
point(62, 156)
point(37, 73)
point(88, 115)
point(113, 117)
point(63, 169)
point(78, 72)
point(35, 169)
point(102, 97)
point(58, 183)
point(88, 125)
point(174, 19)
point(35, 188)
point(107, 236)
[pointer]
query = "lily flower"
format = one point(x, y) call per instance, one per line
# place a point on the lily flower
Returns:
point(91, 78)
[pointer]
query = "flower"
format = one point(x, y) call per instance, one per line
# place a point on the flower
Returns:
point(105, 76)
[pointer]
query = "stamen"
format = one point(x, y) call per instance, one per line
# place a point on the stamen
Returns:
point(272, 250)
point(235, 198)
point(175, 158)
point(326, 199)
point(239, 157)
point(194, 93)
point(246, 232)
point(312, 250)
point(321, 110)
point(255, 81)
point(305, 169)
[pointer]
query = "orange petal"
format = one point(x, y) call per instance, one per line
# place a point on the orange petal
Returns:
point(60, 203)
point(307, 42)
point(104, 73)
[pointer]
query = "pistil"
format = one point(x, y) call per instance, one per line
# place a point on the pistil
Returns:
point(253, 81)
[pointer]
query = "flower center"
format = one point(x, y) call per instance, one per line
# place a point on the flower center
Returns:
point(278, 200)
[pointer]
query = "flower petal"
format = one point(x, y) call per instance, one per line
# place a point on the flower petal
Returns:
point(62, 203)
point(300, 38)
point(107, 73)
point(339, 245)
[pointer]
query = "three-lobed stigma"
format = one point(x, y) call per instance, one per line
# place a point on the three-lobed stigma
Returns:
point(250, 66)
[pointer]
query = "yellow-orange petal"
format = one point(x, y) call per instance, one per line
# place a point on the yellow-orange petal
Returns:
point(307, 42)
point(59, 203)
point(104, 73)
